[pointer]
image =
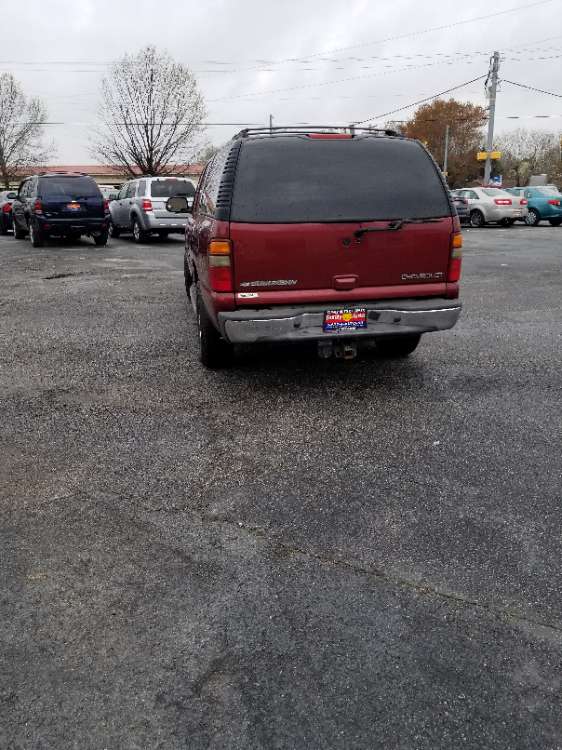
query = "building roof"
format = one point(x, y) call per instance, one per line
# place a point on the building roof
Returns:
point(108, 170)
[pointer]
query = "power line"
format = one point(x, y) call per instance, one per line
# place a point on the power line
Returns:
point(531, 88)
point(338, 80)
point(420, 101)
point(408, 35)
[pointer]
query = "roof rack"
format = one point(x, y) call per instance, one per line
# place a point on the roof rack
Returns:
point(307, 129)
point(62, 172)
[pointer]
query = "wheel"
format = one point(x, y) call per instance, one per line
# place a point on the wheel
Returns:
point(533, 217)
point(3, 227)
point(555, 222)
point(477, 218)
point(214, 351)
point(36, 235)
point(101, 239)
point(188, 279)
point(139, 235)
point(113, 231)
point(399, 346)
point(19, 234)
point(507, 222)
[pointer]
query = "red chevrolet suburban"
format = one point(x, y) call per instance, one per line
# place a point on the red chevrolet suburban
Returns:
point(326, 234)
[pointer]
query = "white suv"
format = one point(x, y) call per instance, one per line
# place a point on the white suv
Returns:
point(140, 207)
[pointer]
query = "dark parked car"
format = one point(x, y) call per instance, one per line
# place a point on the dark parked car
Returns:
point(319, 235)
point(62, 205)
point(6, 199)
point(463, 211)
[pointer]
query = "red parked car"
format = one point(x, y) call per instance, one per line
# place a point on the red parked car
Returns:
point(7, 197)
point(315, 234)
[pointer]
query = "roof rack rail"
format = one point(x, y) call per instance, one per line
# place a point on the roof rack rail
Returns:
point(306, 129)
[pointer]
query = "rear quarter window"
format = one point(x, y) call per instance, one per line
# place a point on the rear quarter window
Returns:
point(297, 179)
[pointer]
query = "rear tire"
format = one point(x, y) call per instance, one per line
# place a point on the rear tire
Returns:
point(101, 239)
point(214, 352)
point(113, 231)
point(533, 218)
point(477, 219)
point(36, 235)
point(3, 228)
point(401, 346)
point(19, 234)
point(139, 235)
point(555, 222)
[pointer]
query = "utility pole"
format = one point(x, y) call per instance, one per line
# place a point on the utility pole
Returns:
point(446, 157)
point(271, 123)
point(491, 85)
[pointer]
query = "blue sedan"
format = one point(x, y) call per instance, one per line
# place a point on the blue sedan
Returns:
point(544, 202)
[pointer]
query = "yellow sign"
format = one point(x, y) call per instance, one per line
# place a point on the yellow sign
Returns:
point(483, 155)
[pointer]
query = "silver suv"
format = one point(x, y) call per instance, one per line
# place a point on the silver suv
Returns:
point(140, 207)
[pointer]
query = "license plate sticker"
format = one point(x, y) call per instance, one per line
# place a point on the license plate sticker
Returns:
point(347, 319)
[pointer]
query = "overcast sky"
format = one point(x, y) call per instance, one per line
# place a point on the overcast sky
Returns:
point(243, 54)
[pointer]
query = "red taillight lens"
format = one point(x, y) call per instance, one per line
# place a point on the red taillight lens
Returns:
point(106, 206)
point(220, 265)
point(553, 202)
point(38, 207)
point(502, 201)
point(523, 202)
point(146, 205)
point(6, 208)
point(455, 258)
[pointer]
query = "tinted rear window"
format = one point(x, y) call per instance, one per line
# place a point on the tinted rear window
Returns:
point(301, 179)
point(169, 188)
point(68, 187)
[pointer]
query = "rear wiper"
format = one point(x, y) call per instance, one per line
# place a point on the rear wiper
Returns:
point(395, 224)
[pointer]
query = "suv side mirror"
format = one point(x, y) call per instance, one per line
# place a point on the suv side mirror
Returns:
point(178, 204)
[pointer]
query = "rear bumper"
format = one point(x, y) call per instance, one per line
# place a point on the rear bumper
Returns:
point(63, 226)
point(384, 318)
point(172, 224)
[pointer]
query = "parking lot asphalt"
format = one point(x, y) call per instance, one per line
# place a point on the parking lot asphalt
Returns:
point(292, 553)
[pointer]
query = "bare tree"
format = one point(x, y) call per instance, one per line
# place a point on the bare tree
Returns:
point(150, 116)
point(528, 152)
point(21, 130)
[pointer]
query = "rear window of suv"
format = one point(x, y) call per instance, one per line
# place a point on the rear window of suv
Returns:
point(68, 188)
point(171, 188)
point(298, 179)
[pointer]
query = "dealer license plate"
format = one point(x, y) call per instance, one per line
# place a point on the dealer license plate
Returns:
point(347, 319)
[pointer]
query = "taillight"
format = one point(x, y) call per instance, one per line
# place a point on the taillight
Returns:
point(523, 202)
point(502, 201)
point(553, 202)
point(106, 206)
point(220, 265)
point(146, 204)
point(38, 207)
point(455, 258)
point(6, 208)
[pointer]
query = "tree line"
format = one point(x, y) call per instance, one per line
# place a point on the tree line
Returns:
point(151, 114)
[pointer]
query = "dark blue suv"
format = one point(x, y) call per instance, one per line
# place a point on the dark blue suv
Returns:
point(62, 205)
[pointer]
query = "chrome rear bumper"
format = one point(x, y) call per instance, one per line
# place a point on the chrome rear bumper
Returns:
point(384, 318)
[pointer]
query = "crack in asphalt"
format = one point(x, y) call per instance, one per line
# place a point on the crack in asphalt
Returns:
point(424, 589)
